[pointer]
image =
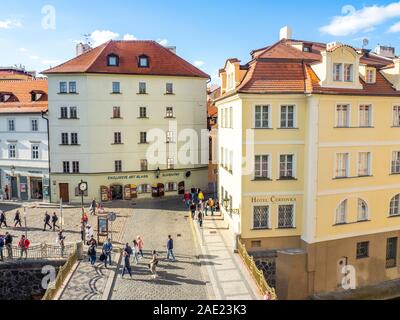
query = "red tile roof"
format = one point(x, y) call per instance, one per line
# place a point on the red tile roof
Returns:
point(162, 61)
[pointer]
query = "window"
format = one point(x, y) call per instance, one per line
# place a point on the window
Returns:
point(337, 72)
point(169, 112)
point(144, 62)
point(118, 166)
point(143, 137)
point(365, 116)
point(286, 166)
point(396, 162)
point(169, 88)
point(342, 116)
point(35, 152)
point(64, 113)
point(261, 217)
point(362, 210)
point(170, 136)
point(342, 165)
point(171, 186)
point(64, 138)
point(396, 116)
point(117, 138)
point(66, 167)
point(112, 60)
point(261, 167)
point(74, 139)
point(116, 112)
point(348, 72)
point(12, 151)
point(287, 116)
point(11, 125)
point(73, 113)
point(75, 166)
point(143, 112)
point(262, 117)
point(63, 87)
point(142, 87)
point(286, 216)
point(370, 76)
point(170, 164)
point(116, 87)
point(363, 250)
point(341, 213)
point(364, 164)
point(395, 206)
point(35, 125)
point(144, 188)
point(143, 165)
point(72, 87)
point(391, 252)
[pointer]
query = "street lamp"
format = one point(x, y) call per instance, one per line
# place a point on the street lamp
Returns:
point(158, 173)
point(13, 171)
point(225, 203)
point(26, 228)
point(83, 186)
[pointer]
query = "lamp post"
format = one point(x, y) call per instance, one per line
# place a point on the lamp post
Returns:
point(26, 228)
point(158, 172)
point(12, 180)
point(83, 186)
point(61, 215)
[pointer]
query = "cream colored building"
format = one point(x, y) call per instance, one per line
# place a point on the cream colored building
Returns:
point(107, 106)
point(309, 139)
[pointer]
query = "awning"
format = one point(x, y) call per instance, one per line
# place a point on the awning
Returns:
point(25, 173)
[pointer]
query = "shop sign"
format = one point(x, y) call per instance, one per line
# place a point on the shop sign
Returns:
point(176, 174)
point(274, 199)
point(128, 177)
point(22, 187)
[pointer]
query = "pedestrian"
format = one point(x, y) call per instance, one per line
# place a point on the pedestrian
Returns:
point(200, 219)
point(93, 207)
point(217, 207)
point(92, 254)
point(193, 209)
point(2, 244)
point(107, 249)
point(61, 242)
point(201, 205)
point(92, 241)
point(46, 221)
point(6, 192)
point(23, 245)
point(127, 264)
point(3, 219)
point(170, 249)
point(211, 204)
point(135, 252)
point(186, 199)
point(84, 219)
point(88, 233)
point(153, 264)
point(8, 243)
point(140, 243)
point(17, 219)
point(54, 220)
point(201, 196)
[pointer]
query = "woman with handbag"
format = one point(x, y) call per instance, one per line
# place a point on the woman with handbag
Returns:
point(153, 264)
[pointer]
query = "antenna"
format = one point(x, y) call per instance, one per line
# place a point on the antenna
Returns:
point(87, 38)
point(365, 42)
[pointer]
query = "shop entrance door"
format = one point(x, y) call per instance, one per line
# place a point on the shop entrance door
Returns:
point(116, 192)
point(14, 188)
point(36, 189)
point(64, 192)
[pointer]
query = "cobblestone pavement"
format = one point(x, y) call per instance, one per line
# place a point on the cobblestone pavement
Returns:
point(181, 280)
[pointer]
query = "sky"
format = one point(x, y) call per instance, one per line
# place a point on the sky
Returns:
point(39, 34)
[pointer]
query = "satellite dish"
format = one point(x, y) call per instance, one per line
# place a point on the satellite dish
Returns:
point(365, 42)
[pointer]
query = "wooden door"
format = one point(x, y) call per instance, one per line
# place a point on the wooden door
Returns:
point(64, 192)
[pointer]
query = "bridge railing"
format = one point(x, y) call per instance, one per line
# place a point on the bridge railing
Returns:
point(39, 251)
point(256, 273)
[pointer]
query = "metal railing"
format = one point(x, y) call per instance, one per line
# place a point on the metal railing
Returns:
point(39, 251)
point(63, 273)
point(256, 273)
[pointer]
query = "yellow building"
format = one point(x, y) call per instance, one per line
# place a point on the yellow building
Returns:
point(309, 144)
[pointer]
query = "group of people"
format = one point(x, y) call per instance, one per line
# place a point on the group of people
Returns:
point(6, 242)
point(17, 219)
point(195, 202)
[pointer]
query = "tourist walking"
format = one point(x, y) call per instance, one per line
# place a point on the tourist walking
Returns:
point(92, 254)
point(201, 196)
point(8, 243)
point(127, 264)
point(92, 241)
point(200, 218)
point(6, 192)
point(84, 219)
point(17, 219)
point(140, 243)
point(54, 220)
point(61, 242)
point(135, 252)
point(2, 244)
point(23, 245)
point(107, 249)
point(153, 264)
point(193, 209)
point(170, 249)
point(46, 221)
point(186, 199)
point(3, 219)
point(93, 207)
point(210, 206)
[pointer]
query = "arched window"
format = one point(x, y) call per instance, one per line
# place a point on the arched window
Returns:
point(395, 206)
point(362, 210)
point(144, 61)
point(112, 60)
point(341, 213)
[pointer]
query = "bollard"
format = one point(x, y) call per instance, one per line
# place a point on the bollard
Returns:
point(79, 250)
point(236, 242)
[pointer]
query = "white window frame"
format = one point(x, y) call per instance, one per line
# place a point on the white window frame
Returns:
point(286, 120)
point(32, 121)
point(294, 169)
point(335, 167)
point(270, 116)
point(334, 73)
point(269, 166)
point(346, 207)
point(370, 115)
point(170, 137)
point(370, 72)
point(351, 79)
point(359, 208)
point(394, 199)
point(12, 150)
point(396, 115)
point(395, 158)
point(348, 124)
point(170, 164)
point(140, 112)
point(369, 164)
point(33, 146)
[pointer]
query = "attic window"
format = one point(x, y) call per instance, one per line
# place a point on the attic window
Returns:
point(370, 76)
point(113, 60)
point(307, 49)
point(144, 62)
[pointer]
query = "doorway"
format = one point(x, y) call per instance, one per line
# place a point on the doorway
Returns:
point(14, 188)
point(116, 192)
point(64, 192)
point(36, 189)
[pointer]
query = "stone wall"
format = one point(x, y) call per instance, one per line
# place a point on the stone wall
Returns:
point(22, 280)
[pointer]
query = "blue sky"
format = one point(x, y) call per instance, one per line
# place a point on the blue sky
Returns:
point(206, 32)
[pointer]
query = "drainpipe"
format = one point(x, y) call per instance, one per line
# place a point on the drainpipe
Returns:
point(48, 148)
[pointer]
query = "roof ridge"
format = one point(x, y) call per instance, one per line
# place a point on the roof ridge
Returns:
point(105, 45)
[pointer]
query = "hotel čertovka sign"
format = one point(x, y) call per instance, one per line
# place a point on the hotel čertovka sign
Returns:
point(274, 199)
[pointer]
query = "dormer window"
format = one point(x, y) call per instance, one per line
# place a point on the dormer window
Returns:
point(348, 72)
point(307, 49)
point(144, 62)
point(343, 72)
point(337, 72)
point(370, 76)
point(113, 60)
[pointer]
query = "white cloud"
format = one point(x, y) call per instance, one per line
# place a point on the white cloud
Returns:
point(129, 37)
point(10, 24)
point(23, 50)
point(34, 57)
point(98, 37)
point(163, 42)
point(51, 62)
point(366, 19)
point(395, 28)
point(198, 63)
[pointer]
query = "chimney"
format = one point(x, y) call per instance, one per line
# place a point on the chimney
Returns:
point(82, 48)
point(286, 33)
point(385, 51)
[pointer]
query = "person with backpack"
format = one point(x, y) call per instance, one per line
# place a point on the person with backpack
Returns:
point(92, 254)
point(3, 219)
point(23, 245)
point(54, 220)
point(170, 248)
point(46, 221)
point(193, 209)
point(17, 219)
point(2, 244)
point(8, 243)
point(107, 250)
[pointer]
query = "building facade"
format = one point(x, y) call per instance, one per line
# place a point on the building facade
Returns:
point(212, 119)
point(23, 140)
point(127, 117)
point(310, 162)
